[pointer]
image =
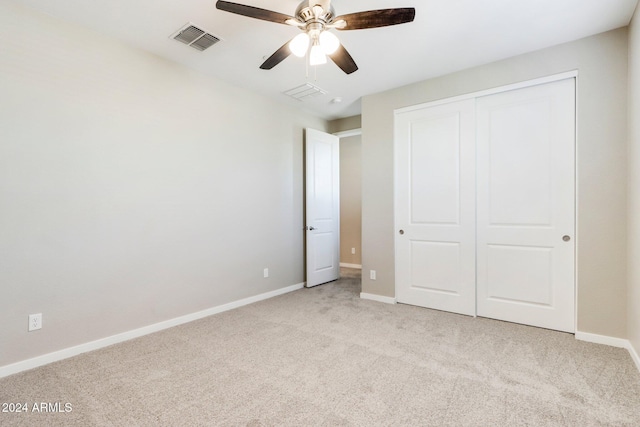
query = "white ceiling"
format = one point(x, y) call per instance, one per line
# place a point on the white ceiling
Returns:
point(446, 36)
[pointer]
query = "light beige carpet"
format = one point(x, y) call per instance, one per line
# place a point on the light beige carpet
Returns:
point(322, 356)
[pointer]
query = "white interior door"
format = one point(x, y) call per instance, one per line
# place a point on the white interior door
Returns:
point(435, 207)
point(525, 205)
point(322, 207)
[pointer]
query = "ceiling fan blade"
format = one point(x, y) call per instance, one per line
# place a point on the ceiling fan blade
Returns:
point(343, 60)
point(253, 12)
point(375, 18)
point(277, 57)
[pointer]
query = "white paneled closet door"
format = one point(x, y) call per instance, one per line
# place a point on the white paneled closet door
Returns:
point(526, 204)
point(485, 205)
point(435, 207)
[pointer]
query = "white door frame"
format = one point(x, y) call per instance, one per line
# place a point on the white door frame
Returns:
point(340, 135)
point(499, 89)
point(528, 83)
point(348, 133)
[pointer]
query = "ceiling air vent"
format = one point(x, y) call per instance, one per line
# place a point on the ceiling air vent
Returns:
point(195, 37)
point(307, 90)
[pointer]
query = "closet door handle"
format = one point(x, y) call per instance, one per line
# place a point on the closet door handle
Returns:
point(566, 237)
point(401, 231)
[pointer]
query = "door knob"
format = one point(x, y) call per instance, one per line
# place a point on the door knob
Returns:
point(566, 238)
point(401, 231)
point(311, 228)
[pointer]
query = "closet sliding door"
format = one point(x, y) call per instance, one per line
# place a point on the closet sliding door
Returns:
point(435, 208)
point(485, 205)
point(526, 204)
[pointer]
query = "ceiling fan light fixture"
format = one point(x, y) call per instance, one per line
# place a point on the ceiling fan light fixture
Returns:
point(329, 42)
point(299, 45)
point(317, 56)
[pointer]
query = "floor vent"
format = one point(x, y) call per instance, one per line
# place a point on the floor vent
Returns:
point(304, 91)
point(195, 37)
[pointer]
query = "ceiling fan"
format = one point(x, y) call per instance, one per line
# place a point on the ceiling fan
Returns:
point(315, 18)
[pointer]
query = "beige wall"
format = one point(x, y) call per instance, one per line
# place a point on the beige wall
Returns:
point(601, 157)
point(351, 200)
point(132, 190)
point(347, 123)
point(634, 183)
point(350, 190)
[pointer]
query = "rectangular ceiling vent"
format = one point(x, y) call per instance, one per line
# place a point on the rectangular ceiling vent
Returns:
point(305, 91)
point(195, 37)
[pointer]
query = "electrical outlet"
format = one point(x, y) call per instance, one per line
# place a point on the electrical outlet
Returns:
point(266, 273)
point(372, 274)
point(35, 322)
point(353, 251)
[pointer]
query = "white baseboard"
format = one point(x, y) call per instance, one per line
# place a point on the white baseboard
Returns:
point(634, 355)
point(379, 298)
point(602, 339)
point(135, 333)
point(347, 265)
point(611, 341)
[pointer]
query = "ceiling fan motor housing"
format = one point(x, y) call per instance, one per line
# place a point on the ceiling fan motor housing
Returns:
point(305, 13)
